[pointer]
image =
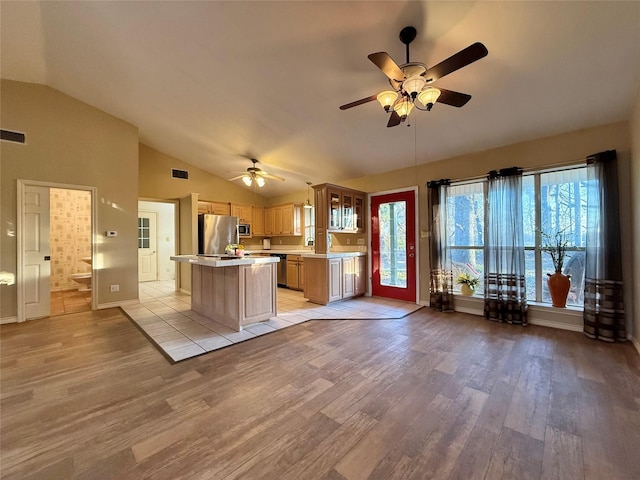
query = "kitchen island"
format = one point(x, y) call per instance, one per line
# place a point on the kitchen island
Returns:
point(233, 291)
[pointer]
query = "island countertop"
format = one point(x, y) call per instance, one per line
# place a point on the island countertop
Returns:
point(223, 260)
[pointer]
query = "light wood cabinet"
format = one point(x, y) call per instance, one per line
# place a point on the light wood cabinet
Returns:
point(283, 220)
point(338, 210)
point(268, 221)
point(257, 221)
point(329, 280)
point(295, 272)
point(360, 266)
point(215, 208)
point(243, 212)
point(348, 277)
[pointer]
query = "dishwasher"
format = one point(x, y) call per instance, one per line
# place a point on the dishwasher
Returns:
point(282, 269)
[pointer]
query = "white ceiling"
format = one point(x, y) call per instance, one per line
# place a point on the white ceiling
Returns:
point(209, 82)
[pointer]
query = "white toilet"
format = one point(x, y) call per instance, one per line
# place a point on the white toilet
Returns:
point(84, 279)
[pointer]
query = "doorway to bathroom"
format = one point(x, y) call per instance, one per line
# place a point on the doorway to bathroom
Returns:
point(56, 224)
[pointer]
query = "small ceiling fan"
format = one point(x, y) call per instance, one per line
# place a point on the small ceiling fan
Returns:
point(255, 175)
point(412, 81)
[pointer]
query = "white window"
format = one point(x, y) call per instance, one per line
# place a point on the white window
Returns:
point(552, 202)
point(465, 230)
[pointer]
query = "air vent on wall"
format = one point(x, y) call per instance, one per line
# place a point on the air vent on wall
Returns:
point(15, 137)
point(184, 174)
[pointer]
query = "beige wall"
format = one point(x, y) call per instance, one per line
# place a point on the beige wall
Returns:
point(635, 215)
point(533, 154)
point(72, 143)
point(156, 181)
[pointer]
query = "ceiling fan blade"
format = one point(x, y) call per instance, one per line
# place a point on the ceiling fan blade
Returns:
point(236, 178)
point(454, 62)
point(264, 174)
point(358, 102)
point(394, 120)
point(455, 99)
point(384, 62)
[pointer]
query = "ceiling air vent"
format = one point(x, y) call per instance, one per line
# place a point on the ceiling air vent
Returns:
point(184, 174)
point(15, 137)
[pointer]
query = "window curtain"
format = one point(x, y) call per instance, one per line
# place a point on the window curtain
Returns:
point(603, 300)
point(441, 290)
point(505, 296)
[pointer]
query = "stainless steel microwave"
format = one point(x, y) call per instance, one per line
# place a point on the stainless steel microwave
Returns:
point(244, 230)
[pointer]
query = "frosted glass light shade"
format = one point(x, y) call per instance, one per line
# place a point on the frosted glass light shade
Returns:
point(260, 181)
point(387, 98)
point(413, 85)
point(403, 108)
point(429, 96)
point(247, 180)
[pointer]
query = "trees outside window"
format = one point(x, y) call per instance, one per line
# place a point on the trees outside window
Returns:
point(552, 202)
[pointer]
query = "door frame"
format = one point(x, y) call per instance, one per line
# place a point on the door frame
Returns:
point(176, 230)
point(21, 187)
point(416, 219)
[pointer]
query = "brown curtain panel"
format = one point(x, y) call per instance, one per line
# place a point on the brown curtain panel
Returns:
point(505, 294)
point(441, 290)
point(604, 316)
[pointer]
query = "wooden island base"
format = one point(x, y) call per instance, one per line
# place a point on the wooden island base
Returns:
point(233, 293)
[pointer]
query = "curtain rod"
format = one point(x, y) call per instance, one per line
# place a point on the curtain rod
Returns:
point(545, 168)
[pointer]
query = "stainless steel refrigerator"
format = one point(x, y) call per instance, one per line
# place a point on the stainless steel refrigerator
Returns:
point(215, 232)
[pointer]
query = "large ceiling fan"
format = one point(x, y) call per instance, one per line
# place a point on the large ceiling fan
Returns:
point(255, 176)
point(411, 82)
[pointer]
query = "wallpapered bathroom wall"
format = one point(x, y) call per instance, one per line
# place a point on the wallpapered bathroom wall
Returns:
point(70, 236)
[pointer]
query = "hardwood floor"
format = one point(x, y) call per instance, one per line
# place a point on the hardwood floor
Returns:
point(428, 396)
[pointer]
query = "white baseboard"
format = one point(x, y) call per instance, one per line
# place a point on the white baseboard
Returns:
point(559, 325)
point(8, 320)
point(636, 344)
point(124, 303)
point(186, 292)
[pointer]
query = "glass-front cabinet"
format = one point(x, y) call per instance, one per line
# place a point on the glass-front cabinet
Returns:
point(335, 209)
point(338, 210)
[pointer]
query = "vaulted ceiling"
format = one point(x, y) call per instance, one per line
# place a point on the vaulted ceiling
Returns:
point(212, 83)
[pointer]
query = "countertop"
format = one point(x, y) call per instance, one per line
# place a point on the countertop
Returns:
point(308, 253)
point(223, 260)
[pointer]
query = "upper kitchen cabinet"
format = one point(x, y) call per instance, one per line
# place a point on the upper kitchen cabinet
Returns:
point(257, 223)
point(283, 220)
point(243, 212)
point(215, 208)
point(340, 209)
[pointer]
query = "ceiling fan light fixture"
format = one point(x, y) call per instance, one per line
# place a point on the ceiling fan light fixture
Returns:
point(260, 181)
point(387, 99)
point(247, 180)
point(429, 96)
point(413, 85)
point(403, 108)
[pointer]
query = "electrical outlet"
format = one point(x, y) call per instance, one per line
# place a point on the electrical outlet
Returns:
point(348, 241)
point(361, 241)
point(280, 241)
point(115, 288)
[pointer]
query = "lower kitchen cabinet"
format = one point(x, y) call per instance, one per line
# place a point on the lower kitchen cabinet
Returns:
point(330, 279)
point(295, 272)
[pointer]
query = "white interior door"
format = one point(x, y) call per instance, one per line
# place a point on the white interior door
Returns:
point(36, 247)
point(147, 247)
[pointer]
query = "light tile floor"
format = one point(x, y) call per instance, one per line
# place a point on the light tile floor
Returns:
point(70, 301)
point(165, 316)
